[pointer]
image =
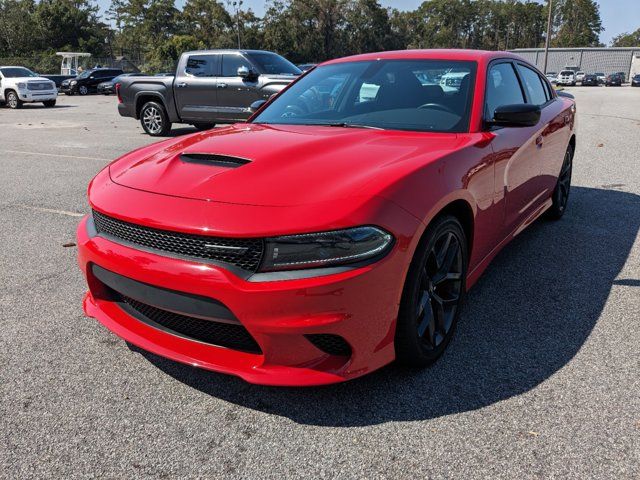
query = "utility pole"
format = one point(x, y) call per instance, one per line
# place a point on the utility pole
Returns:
point(237, 6)
point(548, 37)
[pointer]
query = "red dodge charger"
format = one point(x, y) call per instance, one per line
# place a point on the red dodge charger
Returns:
point(336, 231)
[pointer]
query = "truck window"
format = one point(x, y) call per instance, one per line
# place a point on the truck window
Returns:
point(231, 63)
point(200, 66)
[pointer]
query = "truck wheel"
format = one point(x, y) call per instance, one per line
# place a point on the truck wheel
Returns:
point(154, 120)
point(49, 103)
point(12, 100)
point(204, 126)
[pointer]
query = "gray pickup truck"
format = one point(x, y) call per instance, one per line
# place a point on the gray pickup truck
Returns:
point(209, 87)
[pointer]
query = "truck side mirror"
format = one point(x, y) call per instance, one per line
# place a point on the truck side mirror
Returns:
point(245, 72)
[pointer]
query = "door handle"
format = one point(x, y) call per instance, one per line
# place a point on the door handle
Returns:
point(539, 141)
point(221, 85)
point(182, 85)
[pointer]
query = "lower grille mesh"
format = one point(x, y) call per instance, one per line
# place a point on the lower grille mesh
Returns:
point(215, 333)
point(243, 253)
point(331, 344)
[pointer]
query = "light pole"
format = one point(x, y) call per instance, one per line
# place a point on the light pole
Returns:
point(548, 37)
point(237, 6)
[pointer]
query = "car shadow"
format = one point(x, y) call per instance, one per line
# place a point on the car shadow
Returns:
point(527, 317)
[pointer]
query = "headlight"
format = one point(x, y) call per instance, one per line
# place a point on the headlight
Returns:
point(22, 85)
point(325, 249)
point(73, 82)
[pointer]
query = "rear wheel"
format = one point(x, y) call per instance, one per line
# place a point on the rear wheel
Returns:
point(49, 103)
point(154, 120)
point(560, 196)
point(13, 101)
point(433, 294)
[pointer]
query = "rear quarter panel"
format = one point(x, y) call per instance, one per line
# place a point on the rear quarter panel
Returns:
point(137, 90)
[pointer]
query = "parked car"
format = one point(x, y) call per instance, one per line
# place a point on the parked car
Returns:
point(552, 77)
point(623, 76)
point(19, 85)
point(209, 87)
point(108, 87)
point(590, 80)
point(580, 76)
point(601, 77)
point(635, 80)
point(613, 80)
point(566, 77)
point(306, 66)
point(328, 235)
point(88, 81)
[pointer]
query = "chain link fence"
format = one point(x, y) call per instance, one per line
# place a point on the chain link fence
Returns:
point(50, 64)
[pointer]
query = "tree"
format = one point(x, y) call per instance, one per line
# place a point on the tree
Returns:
point(576, 23)
point(627, 39)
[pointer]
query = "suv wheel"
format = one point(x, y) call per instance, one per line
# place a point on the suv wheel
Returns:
point(12, 100)
point(83, 90)
point(154, 120)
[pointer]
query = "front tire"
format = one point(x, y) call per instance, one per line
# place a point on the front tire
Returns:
point(560, 196)
point(83, 90)
point(49, 103)
point(13, 101)
point(433, 294)
point(154, 119)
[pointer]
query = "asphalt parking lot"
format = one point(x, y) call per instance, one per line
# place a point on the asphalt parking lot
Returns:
point(542, 380)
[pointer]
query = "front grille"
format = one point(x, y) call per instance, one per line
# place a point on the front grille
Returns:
point(227, 335)
point(39, 86)
point(243, 253)
point(331, 344)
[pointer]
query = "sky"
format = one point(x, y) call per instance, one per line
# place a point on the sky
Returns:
point(618, 16)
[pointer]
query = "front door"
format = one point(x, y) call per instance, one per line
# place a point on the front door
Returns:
point(517, 157)
point(236, 93)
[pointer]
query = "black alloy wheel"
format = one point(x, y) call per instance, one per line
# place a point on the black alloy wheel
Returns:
point(560, 196)
point(433, 294)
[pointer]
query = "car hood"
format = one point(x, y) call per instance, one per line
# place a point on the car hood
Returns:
point(256, 164)
point(28, 79)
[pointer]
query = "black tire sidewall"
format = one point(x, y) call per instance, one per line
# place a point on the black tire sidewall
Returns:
point(556, 212)
point(410, 350)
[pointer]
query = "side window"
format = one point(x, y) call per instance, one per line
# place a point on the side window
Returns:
point(533, 85)
point(503, 88)
point(231, 63)
point(200, 66)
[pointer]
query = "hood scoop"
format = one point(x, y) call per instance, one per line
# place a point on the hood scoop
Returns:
point(213, 160)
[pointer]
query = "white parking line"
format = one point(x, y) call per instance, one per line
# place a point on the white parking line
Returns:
point(51, 210)
point(58, 155)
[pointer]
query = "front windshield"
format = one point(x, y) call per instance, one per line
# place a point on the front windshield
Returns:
point(17, 72)
point(272, 64)
point(418, 95)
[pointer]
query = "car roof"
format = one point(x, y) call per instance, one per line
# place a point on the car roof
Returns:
point(431, 54)
point(225, 50)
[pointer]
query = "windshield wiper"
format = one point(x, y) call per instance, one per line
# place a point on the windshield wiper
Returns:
point(350, 125)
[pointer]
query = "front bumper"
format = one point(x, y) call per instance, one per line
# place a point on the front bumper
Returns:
point(68, 89)
point(360, 305)
point(29, 96)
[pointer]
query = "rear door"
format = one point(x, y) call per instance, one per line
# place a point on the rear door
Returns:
point(236, 93)
point(195, 88)
point(516, 148)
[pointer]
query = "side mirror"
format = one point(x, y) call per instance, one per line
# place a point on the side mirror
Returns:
point(256, 105)
point(245, 72)
point(516, 115)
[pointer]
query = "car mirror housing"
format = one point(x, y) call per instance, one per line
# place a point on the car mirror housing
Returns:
point(245, 72)
point(256, 105)
point(516, 115)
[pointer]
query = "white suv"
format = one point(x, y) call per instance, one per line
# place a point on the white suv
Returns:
point(20, 85)
point(566, 77)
